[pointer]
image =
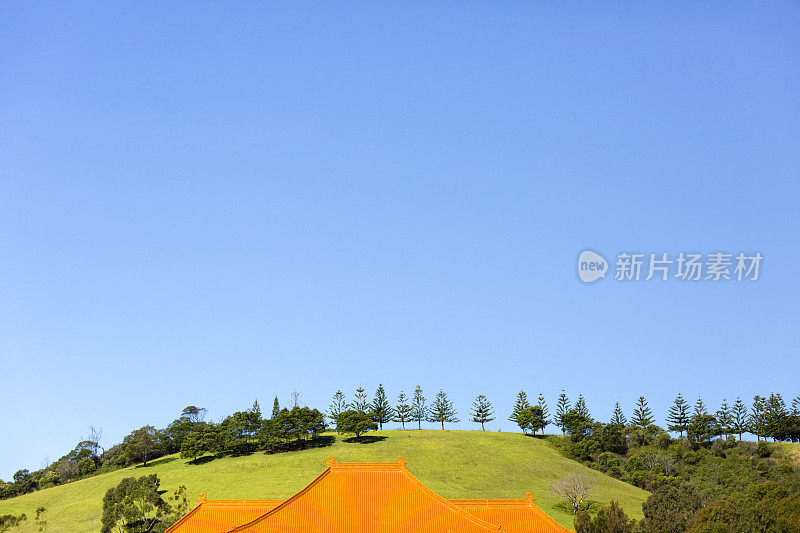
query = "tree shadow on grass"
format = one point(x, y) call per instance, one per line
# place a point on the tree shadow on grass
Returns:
point(365, 439)
point(321, 441)
point(157, 462)
point(201, 460)
point(538, 436)
point(590, 506)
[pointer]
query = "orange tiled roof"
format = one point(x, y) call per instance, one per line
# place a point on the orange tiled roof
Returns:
point(222, 515)
point(367, 498)
point(513, 516)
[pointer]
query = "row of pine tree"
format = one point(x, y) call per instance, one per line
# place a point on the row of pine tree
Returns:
point(767, 417)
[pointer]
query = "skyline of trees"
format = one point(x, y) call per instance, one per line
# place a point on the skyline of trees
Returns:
point(767, 417)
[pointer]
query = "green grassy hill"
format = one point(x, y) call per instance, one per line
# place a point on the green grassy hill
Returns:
point(456, 464)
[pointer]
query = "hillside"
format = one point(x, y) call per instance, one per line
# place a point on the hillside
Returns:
point(456, 464)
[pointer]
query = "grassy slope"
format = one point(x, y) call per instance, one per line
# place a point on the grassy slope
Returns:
point(453, 463)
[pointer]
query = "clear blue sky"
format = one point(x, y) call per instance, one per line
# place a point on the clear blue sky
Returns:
point(210, 204)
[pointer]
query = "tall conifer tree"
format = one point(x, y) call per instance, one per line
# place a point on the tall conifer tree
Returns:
point(419, 411)
point(618, 417)
point(402, 411)
point(739, 416)
point(519, 406)
point(276, 408)
point(774, 414)
point(442, 410)
point(580, 406)
point(678, 415)
point(562, 408)
point(360, 402)
point(724, 419)
point(482, 411)
point(337, 407)
point(756, 421)
point(381, 410)
point(700, 408)
point(545, 411)
point(642, 415)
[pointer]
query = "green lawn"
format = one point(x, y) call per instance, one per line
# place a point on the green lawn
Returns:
point(456, 464)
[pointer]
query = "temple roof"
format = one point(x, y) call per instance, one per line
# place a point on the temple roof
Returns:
point(367, 498)
point(218, 516)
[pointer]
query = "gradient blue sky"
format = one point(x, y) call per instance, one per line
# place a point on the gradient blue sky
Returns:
point(210, 204)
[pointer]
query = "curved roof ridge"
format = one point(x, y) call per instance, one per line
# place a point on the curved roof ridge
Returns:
point(398, 467)
point(308, 487)
point(538, 510)
point(446, 503)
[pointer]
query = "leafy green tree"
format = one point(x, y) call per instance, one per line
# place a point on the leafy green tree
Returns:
point(562, 407)
point(214, 439)
point(669, 509)
point(355, 422)
point(618, 417)
point(381, 410)
point(194, 445)
point(519, 406)
point(678, 415)
point(299, 425)
point(241, 429)
point(611, 519)
point(178, 506)
point(545, 411)
point(360, 402)
point(134, 505)
point(531, 419)
point(796, 406)
point(482, 411)
point(536, 419)
point(642, 415)
point(419, 411)
point(768, 507)
point(402, 411)
point(442, 410)
point(337, 407)
point(8, 521)
point(143, 444)
point(702, 427)
point(724, 419)
point(276, 407)
point(24, 482)
point(175, 433)
point(577, 424)
point(194, 413)
point(86, 466)
point(739, 418)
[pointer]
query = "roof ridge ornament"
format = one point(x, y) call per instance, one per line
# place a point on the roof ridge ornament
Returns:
point(529, 498)
point(203, 498)
point(331, 461)
point(402, 462)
